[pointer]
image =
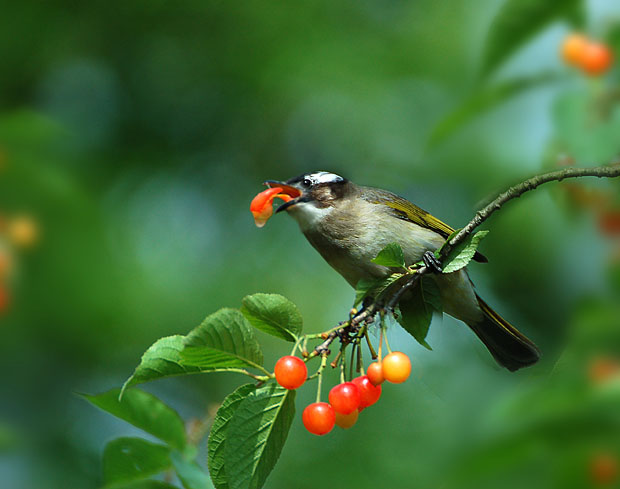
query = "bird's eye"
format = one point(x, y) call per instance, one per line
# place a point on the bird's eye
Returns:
point(306, 182)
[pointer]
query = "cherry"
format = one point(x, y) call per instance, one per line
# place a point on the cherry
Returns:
point(319, 418)
point(291, 372)
point(261, 206)
point(604, 469)
point(375, 373)
point(370, 393)
point(396, 367)
point(602, 369)
point(596, 58)
point(609, 222)
point(345, 421)
point(23, 231)
point(345, 398)
point(573, 48)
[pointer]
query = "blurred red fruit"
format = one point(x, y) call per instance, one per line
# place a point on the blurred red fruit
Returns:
point(604, 469)
point(609, 222)
point(4, 298)
point(596, 58)
point(5, 264)
point(573, 47)
point(23, 231)
point(602, 369)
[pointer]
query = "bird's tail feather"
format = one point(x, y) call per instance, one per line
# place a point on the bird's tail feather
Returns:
point(509, 347)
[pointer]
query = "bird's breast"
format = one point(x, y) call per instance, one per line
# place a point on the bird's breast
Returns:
point(349, 237)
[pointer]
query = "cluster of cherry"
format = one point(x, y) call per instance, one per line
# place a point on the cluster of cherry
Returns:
point(348, 399)
point(592, 57)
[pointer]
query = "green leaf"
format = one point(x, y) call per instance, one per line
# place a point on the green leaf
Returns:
point(391, 256)
point(189, 472)
point(130, 459)
point(417, 311)
point(373, 287)
point(256, 434)
point(462, 254)
point(217, 437)
point(162, 359)
point(225, 339)
point(483, 100)
point(273, 314)
point(517, 22)
point(431, 294)
point(144, 411)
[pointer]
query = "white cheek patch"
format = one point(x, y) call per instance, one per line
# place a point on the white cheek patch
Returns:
point(307, 215)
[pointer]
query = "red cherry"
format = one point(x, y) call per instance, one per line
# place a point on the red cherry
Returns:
point(596, 59)
point(375, 373)
point(319, 418)
point(370, 393)
point(291, 372)
point(345, 398)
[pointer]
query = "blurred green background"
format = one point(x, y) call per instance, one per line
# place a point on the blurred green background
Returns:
point(133, 136)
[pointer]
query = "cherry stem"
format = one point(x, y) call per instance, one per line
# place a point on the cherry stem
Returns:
point(352, 361)
point(373, 353)
point(381, 343)
point(337, 360)
point(320, 375)
point(387, 344)
point(360, 363)
point(296, 345)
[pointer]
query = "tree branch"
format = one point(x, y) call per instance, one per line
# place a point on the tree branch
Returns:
point(608, 171)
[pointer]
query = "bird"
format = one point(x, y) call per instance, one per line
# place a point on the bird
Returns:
point(349, 224)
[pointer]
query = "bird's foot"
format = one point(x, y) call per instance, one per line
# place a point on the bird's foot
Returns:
point(431, 261)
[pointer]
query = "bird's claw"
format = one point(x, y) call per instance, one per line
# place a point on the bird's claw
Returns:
point(431, 261)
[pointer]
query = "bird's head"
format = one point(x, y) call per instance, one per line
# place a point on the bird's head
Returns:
point(313, 195)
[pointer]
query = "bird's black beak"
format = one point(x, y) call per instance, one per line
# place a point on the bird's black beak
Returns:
point(294, 192)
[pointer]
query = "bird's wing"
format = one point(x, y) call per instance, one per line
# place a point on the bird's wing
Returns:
point(405, 210)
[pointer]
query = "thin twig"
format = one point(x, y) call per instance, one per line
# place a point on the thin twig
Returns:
point(366, 315)
point(607, 171)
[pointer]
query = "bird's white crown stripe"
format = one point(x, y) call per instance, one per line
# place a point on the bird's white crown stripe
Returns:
point(324, 177)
